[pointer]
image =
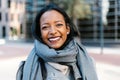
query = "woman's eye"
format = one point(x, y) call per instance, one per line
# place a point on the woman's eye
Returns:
point(44, 27)
point(59, 25)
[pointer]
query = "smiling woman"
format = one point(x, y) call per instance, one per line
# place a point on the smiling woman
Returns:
point(56, 54)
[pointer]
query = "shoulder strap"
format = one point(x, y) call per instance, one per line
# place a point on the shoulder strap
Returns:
point(43, 69)
point(19, 74)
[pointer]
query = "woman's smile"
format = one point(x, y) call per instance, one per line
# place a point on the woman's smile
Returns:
point(54, 39)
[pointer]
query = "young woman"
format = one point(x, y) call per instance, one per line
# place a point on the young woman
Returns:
point(57, 54)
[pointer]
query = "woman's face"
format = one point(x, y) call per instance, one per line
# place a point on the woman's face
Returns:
point(53, 29)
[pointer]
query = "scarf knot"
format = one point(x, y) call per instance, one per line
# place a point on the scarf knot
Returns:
point(67, 56)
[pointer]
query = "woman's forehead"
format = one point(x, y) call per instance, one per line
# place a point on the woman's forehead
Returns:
point(52, 15)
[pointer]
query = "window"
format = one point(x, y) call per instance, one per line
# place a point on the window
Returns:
point(3, 32)
point(21, 29)
point(6, 17)
point(0, 3)
point(0, 17)
point(12, 17)
point(118, 6)
point(9, 2)
point(18, 17)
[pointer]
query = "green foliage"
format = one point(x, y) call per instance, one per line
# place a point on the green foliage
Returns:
point(14, 31)
point(80, 9)
point(75, 8)
point(62, 3)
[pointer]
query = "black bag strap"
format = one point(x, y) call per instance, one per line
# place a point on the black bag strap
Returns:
point(19, 74)
point(43, 69)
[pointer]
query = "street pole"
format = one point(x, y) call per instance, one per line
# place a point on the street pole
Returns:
point(101, 28)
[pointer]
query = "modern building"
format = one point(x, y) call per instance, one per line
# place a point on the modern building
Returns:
point(31, 9)
point(12, 19)
point(104, 24)
point(113, 17)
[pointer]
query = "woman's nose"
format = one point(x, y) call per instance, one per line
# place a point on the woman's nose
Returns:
point(53, 30)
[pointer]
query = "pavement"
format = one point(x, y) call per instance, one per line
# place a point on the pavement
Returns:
point(107, 63)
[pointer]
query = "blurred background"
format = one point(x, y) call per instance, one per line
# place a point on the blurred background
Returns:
point(98, 22)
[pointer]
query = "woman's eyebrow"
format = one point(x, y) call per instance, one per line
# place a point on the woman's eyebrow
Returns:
point(58, 21)
point(44, 24)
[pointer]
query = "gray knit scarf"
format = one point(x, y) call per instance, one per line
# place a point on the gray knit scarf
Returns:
point(73, 55)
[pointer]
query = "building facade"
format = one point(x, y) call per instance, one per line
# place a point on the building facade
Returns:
point(12, 19)
point(17, 16)
point(103, 24)
point(31, 9)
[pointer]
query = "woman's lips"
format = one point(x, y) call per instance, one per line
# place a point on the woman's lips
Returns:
point(54, 39)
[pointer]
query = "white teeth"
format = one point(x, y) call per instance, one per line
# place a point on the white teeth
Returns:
point(54, 39)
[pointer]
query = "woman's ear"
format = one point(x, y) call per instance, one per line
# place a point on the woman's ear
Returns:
point(68, 29)
point(67, 32)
